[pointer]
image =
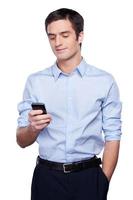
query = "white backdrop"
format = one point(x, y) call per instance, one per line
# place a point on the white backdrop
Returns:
point(24, 49)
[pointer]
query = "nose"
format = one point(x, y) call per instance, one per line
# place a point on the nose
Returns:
point(58, 41)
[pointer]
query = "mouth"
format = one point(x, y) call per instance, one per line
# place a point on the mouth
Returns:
point(60, 50)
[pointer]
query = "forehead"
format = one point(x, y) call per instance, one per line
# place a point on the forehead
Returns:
point(60, 26)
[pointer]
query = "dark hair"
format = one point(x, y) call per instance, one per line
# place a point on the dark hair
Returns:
point(64, 13)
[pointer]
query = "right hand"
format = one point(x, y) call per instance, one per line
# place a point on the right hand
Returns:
point(38, 121)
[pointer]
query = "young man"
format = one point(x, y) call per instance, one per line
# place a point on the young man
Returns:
point(82, 102)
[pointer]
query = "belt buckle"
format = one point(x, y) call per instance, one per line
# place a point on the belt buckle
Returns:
point(64, 168)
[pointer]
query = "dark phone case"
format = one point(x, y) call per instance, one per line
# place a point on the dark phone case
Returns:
point(39, 106)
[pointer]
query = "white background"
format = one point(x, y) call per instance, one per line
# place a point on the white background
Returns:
point(24, 49)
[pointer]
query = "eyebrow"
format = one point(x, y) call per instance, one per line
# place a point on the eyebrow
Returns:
point(60, 33)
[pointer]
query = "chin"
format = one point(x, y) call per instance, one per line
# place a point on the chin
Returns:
point(62, 58)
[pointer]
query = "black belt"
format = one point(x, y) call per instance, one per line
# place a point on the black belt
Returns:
point(71, 167)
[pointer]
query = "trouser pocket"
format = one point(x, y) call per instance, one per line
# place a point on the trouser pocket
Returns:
point(105, 177)
point(103, 185)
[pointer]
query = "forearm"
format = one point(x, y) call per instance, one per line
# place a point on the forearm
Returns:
point(26, 136)
point(110, 157)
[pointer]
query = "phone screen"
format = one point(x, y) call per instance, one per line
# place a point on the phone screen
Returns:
point(39, 106)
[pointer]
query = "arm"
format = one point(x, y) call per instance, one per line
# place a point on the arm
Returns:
point(27, 135)
point(111, 110)
point(110, 157)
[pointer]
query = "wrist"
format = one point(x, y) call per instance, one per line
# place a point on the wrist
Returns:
point(32, 130)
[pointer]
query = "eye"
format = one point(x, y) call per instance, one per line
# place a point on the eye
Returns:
point(65, 35)
point(51, 37)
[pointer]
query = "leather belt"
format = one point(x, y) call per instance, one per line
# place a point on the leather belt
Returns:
point(70, 167)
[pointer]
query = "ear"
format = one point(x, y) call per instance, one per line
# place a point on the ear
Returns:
point(80, 37)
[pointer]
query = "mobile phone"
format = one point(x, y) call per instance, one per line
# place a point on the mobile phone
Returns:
point(39, 106)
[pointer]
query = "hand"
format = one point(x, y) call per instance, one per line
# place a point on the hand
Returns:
point(38, 121)
point(108, 176)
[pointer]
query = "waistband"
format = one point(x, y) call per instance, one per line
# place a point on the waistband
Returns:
point(70, 167)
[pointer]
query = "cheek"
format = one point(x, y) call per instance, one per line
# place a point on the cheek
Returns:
point(74, 45)
point(52, 45)
point(71, 43)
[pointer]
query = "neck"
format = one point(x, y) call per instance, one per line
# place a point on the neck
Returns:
point(67, 66)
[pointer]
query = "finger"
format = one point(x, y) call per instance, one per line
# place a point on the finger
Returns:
point(35, 112)
point(40, 122)
point(41, 117)
point(41, 127)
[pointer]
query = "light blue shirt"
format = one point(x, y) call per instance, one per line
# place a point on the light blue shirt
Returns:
point(85, 110)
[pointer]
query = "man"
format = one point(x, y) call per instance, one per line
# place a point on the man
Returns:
point(82, 102)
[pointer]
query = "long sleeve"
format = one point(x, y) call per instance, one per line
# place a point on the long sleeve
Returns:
point(111, 112)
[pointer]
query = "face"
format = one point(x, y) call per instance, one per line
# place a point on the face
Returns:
point(63, 40)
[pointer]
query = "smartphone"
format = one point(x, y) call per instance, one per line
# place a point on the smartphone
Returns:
point(39, 106)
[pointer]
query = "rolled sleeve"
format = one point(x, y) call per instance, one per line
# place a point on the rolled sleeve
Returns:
point(25, 106)
point(111, 113)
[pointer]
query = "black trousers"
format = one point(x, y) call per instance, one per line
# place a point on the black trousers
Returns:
point(88, 184)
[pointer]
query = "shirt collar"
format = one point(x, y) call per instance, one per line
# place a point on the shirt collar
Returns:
point(81, 69)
